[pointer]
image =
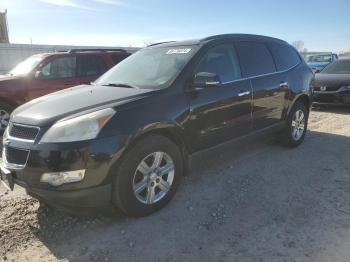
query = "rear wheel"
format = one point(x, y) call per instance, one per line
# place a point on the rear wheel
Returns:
point(148, 176)
point(296, 125)
point(5, 112)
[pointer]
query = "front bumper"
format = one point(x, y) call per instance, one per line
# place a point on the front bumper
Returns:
point(96, 157)
point(331, 97)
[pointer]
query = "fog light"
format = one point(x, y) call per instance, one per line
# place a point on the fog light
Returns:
point(60, 178)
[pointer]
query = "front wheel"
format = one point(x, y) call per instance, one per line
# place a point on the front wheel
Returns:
point(5, 112)
point(296, 125)
point(148, 176)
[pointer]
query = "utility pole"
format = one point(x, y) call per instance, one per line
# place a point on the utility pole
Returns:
point(4, 32)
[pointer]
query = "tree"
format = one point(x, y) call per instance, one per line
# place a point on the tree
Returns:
point(299, 45)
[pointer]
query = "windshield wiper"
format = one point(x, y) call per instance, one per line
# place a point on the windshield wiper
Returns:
point(121, 85)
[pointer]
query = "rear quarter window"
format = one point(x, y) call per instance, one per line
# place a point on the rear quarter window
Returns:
point(255, 59)
point(285, 56)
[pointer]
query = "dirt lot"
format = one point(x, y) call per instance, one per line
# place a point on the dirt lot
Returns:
point(242, 202)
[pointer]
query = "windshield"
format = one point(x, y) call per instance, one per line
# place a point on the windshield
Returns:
point(149, 68)
point(26, 66)
point(337, 67)
point(319, 58)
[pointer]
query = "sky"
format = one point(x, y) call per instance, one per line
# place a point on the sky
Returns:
point(322, 25)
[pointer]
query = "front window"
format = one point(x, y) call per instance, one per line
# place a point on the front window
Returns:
point(222, 61)
point(26, 66)
point(149, 68)
point(62, 67)
point(337, 67)
point(319, 58)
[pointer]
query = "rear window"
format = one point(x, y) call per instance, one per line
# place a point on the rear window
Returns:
point(255, 59)
point(118, 58)
point(285, 56)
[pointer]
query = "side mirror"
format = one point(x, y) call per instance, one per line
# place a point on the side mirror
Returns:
point(38, 74)
point(205, 79)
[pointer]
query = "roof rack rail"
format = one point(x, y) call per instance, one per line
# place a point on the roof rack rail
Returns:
point(97, 50)
point(161, 43)
point(223, 36)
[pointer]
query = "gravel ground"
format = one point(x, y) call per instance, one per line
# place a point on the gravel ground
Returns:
point(242, 202)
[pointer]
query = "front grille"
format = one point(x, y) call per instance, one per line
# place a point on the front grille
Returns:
point(23, 132)
point(16, 156)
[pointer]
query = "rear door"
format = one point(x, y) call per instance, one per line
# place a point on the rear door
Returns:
point(219, 113)
point(270, 88)
point(90, 67)
point(56, 74)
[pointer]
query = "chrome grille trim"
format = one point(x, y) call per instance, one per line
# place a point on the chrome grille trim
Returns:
point(13, 166)
point(22, 139)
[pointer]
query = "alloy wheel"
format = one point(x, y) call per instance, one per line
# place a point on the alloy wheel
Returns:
point(4, 119)
point(298, 125)
point(153, 178)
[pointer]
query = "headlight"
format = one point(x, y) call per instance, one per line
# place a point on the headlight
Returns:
point(79, 128)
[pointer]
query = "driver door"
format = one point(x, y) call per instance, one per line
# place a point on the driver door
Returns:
point(222, 112)
point(59, 73)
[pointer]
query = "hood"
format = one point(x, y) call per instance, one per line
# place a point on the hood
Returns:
point(6, 78)
point(331, 80)
point(50, 108)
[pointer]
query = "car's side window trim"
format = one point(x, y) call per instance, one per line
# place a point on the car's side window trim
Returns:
point(273, 59)
point(257, 76)
point(240, 64)
point(285, 70)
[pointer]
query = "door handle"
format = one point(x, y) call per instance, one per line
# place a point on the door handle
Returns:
point(283, 84)
point(244, 93)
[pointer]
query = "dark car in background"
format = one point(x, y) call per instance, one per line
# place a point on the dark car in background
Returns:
point(318, 61)
point(46, 73)
point(124, 141)
point(332, 84)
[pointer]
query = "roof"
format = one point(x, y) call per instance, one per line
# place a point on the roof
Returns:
point(217, 38)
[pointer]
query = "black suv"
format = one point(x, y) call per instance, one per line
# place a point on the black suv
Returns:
point(125, 140)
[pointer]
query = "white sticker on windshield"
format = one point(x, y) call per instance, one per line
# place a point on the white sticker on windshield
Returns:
point(178, 51)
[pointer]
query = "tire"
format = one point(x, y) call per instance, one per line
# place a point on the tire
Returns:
point(130, 180)
point(5, 112)
point(289, 137)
